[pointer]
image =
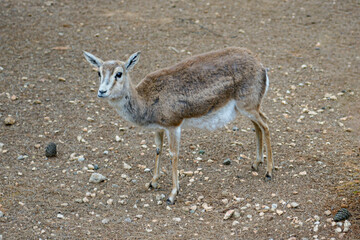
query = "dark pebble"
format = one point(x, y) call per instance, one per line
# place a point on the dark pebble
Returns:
point(50, 150)
point(96, 167)
point(235, 128)
point(227, 161)
point(201, 152)
point(342, 214)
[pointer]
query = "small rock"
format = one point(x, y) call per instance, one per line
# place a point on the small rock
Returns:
point(229, 214)
point(207, 207)
point(227, 161)
point(235, 223)
point(106, 152)
point(338, 230)
point(1, 214)
point(105, 221)
point(61, 79)
point(317, 218)
point(279, 212)
point(109, 201)
point(85, 200)
point(96, 167)
point(342, 214)
point(327, 212)
point(201, 152)
point(21, 157)
point(60, 216)
point(302, 173)
point(347, 225)
point(91, 167)
point(128, 220)
point(316, 228)
point(9, 120)
point(177, 219)
point(50, 150)
point(273, 206)
point(96, 178)
point(188, 173)
point(78, 200)
point(294, 204)
point(81, 158)
point(126, 166)
point(235, 129)
point(117, 138)
point(193, 208)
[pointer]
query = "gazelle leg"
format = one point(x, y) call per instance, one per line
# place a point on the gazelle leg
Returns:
point(259, 147)
point(255, 115)
point(174, 142)
point(266, 131)
point(159, 139)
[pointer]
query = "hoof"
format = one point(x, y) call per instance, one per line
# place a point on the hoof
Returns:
point(267, 177)
point(254, 168)
point(169, 202)
point(151, 185)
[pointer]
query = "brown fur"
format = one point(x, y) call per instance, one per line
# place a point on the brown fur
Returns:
point(199, 85)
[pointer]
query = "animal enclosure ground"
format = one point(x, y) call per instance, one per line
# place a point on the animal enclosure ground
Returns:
point(47, 87)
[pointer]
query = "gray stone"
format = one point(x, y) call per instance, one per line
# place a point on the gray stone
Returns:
point(128, 220)
point(50, 150)
point(96, 178)
point(105, 220)
point(22, 157)
point(1, 214)
point(227, 161)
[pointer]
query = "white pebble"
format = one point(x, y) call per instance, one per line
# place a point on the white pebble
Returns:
point(105, 221)
point(126, 166)
point(294, 204)
point(235, 223)
point(229, 214)
point(60, 216)
point(177, 219)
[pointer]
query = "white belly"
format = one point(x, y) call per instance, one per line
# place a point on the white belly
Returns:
point(213, 120)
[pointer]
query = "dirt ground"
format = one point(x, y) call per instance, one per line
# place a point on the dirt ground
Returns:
point(46, 86)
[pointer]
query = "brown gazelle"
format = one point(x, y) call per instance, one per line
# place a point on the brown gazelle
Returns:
point(203, 91)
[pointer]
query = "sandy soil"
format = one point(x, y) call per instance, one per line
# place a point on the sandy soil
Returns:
point(47, 87)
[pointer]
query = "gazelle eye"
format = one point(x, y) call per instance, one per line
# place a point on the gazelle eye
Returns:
point(118, 75)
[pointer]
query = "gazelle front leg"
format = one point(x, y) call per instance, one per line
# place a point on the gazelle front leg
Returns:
point(174, 135)
point(159, 139)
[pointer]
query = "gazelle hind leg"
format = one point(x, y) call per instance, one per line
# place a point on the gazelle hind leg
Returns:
point(174, 135)
point(261, 120)
point(259, 147)
point(159, 140)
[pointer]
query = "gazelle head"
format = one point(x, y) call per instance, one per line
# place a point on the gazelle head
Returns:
point(113, 74)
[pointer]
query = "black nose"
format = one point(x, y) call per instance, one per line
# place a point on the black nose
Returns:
point(102, 92)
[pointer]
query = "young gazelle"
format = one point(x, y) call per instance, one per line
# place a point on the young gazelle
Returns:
point(203, 91)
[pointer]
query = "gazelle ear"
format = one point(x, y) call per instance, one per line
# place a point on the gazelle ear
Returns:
point(133, 59)
point(97, 62)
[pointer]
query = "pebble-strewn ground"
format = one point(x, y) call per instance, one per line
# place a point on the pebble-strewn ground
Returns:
point(48, 94)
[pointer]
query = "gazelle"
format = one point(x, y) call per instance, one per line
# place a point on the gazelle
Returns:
point(204, 91)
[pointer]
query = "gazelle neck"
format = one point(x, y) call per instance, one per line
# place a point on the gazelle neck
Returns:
point(129, 105)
